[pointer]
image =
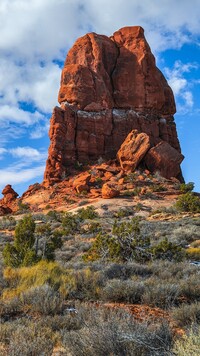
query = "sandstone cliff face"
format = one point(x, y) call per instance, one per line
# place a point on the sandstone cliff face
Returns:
point(109, 86)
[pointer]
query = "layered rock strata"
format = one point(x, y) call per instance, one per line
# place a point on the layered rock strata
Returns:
point(109, 86)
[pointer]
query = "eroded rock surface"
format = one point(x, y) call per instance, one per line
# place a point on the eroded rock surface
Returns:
point(132, 150)
point(164, 159)
point(119, 71)
point(109, 87)
point(9, 201)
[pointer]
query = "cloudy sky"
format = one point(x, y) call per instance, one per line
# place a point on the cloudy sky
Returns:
point(35, 37)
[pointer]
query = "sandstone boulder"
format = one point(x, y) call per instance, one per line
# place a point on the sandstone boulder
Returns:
point(80, 183)
point(132, 150)
point(109, 191)
point(164, 159)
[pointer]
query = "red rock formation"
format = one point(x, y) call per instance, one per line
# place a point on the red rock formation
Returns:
point(9, 194)
point(120, 71)
point(109, 86)
point(8, 203)
point(132, 150)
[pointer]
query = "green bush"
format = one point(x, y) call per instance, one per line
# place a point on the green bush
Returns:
point(187, 314)
point(22, 252)
point(87, 213)
point(186, 187)
point(70, 223)
point(167, 250)
point(26, 249)
point(188, 203)
point(124, 243)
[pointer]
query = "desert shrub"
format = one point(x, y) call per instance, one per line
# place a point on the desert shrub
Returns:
point(189, 344)
point(87, 213)
point(123, 212)
point(127, 270)
point(159, 294)
point(188, 203)
point(46, 242)
point(23, 279)
point(127, 291)
point(125, 243)
point(167, 250)
point(186, 187)
point(43, 299)
point(70, 223)
point(84, 284)
point(9, 307)
point(193, 253)
point(53, 215)
point(110, 332)
point(7, 222)
point(187, 314)
point(158, 188)
point(29, 246)
point(30, 340)
point(23, 207)
point(22, 252)
point(190, 288)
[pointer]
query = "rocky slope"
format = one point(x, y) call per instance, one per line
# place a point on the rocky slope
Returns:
point(110, 86)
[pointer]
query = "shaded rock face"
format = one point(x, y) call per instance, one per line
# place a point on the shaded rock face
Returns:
point(109, 87)
point(165, 159)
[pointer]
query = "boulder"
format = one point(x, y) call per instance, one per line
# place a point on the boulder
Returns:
point(109, 191)
point(80, 183)
point(9, 194)
point(164, 159)
point(132, 150)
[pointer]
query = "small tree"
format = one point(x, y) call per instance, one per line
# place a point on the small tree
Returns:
point(50, 242)
point(30, 247)
point(22, 252)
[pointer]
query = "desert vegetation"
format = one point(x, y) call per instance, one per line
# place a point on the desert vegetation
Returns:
point(88, 284)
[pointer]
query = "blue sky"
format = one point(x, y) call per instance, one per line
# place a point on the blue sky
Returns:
point(35, 38)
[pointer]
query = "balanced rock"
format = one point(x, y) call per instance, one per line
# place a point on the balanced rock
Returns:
point(8, 203)
point(9, 194)
point(132, 150)
point(164, 159)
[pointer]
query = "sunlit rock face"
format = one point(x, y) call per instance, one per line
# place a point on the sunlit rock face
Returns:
point(109, 87)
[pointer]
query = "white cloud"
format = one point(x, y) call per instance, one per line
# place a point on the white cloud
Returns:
point(14, 114)
point(180, 85)
point(2, 150)
point(25, 152)
point(14, 177)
